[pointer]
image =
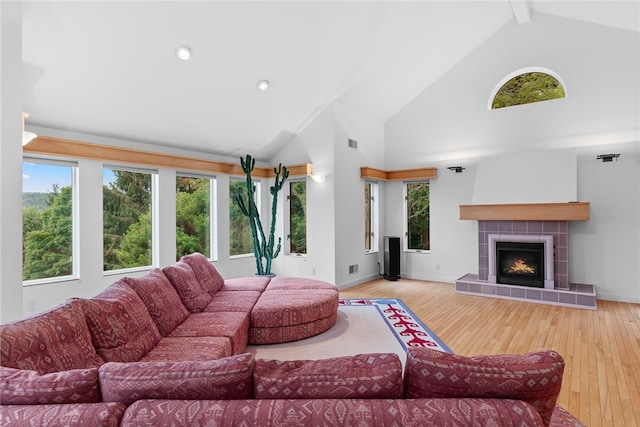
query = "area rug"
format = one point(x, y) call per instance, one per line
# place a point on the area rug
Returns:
point(363, 326)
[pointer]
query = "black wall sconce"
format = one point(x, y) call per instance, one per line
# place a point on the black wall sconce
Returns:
point(607, 157)
point(456, 169)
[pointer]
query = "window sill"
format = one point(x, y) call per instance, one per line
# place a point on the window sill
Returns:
point(49, 280)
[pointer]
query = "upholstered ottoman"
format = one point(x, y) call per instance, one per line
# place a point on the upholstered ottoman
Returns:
point(292, 309)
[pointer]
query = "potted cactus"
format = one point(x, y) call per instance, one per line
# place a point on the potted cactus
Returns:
point(264, 248)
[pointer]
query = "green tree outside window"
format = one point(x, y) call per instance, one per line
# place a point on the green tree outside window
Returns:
point(418, 221)
point(298, 217)
point(127, 229)
point(527, 88)
point(193, 216)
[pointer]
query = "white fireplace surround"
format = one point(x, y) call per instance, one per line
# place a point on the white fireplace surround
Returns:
point(525, 238)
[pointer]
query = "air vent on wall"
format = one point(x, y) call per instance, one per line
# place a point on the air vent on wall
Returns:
point(353, 268)
point(353, 143)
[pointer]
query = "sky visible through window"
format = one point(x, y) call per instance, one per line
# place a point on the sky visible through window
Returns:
point(40, 178)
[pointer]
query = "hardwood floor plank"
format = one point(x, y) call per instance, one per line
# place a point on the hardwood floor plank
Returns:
point(601, 348)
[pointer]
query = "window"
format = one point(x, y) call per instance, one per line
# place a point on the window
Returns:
point(127, 197)
point(241, 237)
point(417, 216)
point(297, 214)
point(370, 216)
point(194, 215)
point(48, 226)
point(526, 88)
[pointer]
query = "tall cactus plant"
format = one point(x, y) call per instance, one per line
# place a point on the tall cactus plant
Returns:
point(263, 247)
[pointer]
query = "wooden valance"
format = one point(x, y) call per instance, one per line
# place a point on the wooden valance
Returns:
point(572, 211)
point(78, 149)
point(405, 174)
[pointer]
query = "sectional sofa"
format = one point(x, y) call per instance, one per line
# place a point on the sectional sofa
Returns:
point(168, 348)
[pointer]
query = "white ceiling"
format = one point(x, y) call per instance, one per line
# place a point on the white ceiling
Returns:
point(109, 68)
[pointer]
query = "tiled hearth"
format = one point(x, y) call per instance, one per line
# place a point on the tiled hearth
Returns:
point(563, 292)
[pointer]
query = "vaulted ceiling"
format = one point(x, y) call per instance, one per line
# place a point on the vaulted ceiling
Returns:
point(110, 69)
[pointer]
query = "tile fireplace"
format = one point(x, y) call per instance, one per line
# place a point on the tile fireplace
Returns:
point(526, 259)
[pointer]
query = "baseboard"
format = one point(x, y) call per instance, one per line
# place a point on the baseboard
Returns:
point(358, 281)
point(431, 278)
point(618, 297)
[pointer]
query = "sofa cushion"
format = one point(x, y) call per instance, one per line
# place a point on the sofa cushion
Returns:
point(25, 387)
point(292, 283)
point(227, 378)
point(184, 281)
point(161, 299)
point(374, 375)
point(252, 283)
point(535, 378)
point(55, 340)
point(183, 349)
point(74, 414)
point(121, 327)
point(242, 301)
point(233, 325)
point(210, 280)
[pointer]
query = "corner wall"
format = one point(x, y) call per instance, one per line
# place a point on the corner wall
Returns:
point(10, 160)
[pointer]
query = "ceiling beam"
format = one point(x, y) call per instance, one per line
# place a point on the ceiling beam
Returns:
point(521, 12)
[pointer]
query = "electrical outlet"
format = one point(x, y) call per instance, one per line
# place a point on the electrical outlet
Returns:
point(313, 271)
point(437, 266)
point(32, 307)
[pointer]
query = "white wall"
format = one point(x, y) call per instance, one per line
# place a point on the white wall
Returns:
point(313, 145)
point(10, 160)
point(605, 250)
point(335, 207)
point(349, 191)
point(450, 120)
point(527, 177)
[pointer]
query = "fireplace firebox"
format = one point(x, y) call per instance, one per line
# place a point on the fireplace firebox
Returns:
point(520, 263)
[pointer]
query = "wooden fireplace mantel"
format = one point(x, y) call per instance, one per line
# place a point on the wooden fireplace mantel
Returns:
point(572, 211)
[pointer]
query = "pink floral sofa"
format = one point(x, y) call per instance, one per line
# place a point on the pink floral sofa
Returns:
point(169, 349)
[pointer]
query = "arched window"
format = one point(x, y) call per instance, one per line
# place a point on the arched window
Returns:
point(525, 87)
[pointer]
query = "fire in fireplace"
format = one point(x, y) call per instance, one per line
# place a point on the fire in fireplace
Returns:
point(520, 263)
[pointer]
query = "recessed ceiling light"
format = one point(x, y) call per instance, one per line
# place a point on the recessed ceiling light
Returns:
point(183, 53)
point(263, 84)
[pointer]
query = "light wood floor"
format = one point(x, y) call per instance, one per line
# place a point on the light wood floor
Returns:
point(601, 348)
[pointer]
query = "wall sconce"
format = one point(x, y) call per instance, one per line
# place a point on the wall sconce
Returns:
point(607, 157)
point(317, 177)
point(27, 137)
point(456, 169)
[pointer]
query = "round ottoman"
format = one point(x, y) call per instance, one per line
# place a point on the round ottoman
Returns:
point(292, 309)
